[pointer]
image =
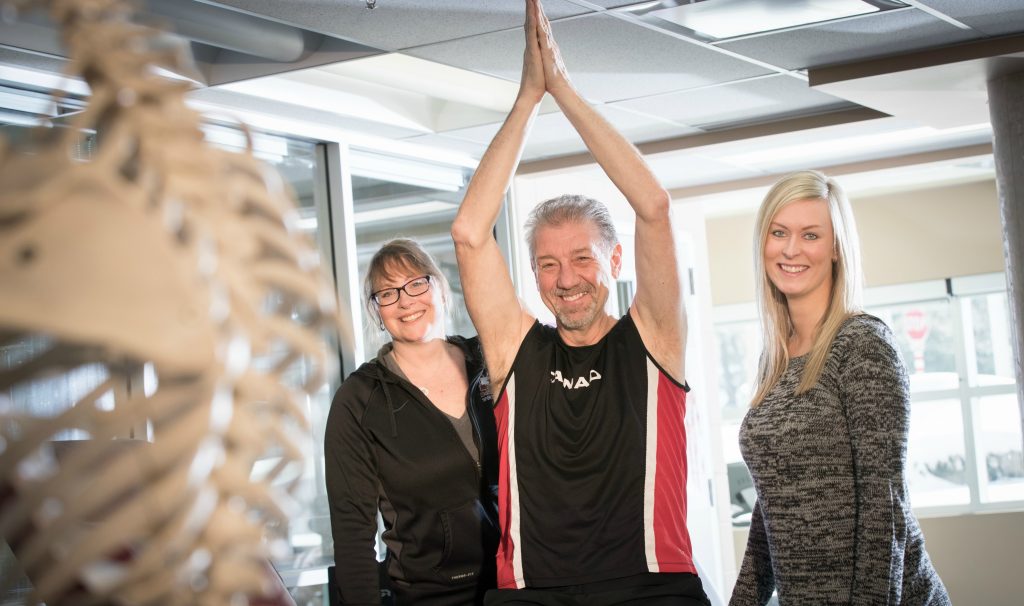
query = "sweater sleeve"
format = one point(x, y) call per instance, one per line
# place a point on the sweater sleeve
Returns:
point(351, 476)
point(875, 394)
point(756, 581)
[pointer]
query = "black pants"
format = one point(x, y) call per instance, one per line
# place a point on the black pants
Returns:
point(661, 589)
point(398, 593)
point(420, 594)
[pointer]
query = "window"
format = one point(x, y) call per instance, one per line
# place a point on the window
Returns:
point(965, 449)
point(738, 338)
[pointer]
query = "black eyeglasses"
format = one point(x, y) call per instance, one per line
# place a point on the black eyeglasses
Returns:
point(413, 288)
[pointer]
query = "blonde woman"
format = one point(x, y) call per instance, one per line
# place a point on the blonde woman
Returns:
point(411, 434)
point(826, 436)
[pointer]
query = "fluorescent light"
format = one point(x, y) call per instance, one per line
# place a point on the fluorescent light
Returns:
point(428, 78)
point(306, 539)
point(171, 75)
point(825, 150)
point(317, 576)
point(20, 119)
point(45, 80)
point(639, 8)
point(306, 224)
point(830, 147)
point(403, 211)
point(410, 171)
point(730, 18)
point(29, 103)
point(267, 147)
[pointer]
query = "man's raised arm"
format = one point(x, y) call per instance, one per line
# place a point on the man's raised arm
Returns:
point(497, 314)
point(658, 305)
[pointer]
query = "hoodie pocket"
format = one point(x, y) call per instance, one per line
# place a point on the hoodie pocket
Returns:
point(467, 541)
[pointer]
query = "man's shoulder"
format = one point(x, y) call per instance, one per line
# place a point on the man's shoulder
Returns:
point(666, 348)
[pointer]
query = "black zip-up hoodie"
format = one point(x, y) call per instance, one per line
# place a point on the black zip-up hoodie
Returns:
point(387, 447)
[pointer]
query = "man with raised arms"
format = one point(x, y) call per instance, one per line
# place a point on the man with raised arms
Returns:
point(592, 445)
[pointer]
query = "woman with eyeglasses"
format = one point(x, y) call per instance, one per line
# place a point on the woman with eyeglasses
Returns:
point(411, 435)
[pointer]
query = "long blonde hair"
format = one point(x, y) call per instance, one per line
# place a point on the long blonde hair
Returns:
point(844, 299)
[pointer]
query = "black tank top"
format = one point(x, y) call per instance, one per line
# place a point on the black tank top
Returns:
point(592, 448)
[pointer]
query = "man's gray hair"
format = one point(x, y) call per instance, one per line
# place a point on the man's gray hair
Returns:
point(571, 208)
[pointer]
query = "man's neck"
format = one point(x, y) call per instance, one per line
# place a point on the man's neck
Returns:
point(590, 335)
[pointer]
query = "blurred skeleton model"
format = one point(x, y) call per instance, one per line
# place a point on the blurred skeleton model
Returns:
point(161, 253)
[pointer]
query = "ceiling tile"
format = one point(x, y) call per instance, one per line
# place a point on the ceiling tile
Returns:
point(694, 168)
point(749, 101)
point(238, 96)
point(612, 3)
point(552, 134)
point(608, 58)
point(399, 24)
point(474, 149)
point(640, 127)
point(845, 41)
point(841, 144)
point(478, 134)
point(992, 17)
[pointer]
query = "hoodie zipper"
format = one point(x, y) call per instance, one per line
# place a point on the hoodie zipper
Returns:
point(477, 465)
point(477, 438)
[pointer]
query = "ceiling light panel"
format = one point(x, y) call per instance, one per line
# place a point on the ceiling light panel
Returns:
point(722, 19)
point(409, 171)
point(992, 17)
point(849, 40)
point(400, 212)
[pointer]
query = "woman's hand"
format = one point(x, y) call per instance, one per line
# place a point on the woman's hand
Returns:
point(531, 84)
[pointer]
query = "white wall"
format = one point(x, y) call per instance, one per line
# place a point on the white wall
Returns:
point(911, 236)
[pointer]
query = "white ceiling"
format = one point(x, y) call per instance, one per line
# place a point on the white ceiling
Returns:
point(443, 73)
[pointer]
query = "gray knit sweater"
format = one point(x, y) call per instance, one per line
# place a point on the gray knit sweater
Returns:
point(832, 523)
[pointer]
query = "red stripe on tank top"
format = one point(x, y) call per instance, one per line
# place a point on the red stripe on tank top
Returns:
point(672, 541)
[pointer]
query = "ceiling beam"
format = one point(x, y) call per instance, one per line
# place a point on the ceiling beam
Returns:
point(968, 51)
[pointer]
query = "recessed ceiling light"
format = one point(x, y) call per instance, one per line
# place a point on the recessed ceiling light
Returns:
point(835, 149)
point(387, 167)
point(730, 18)
point(403, 211)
